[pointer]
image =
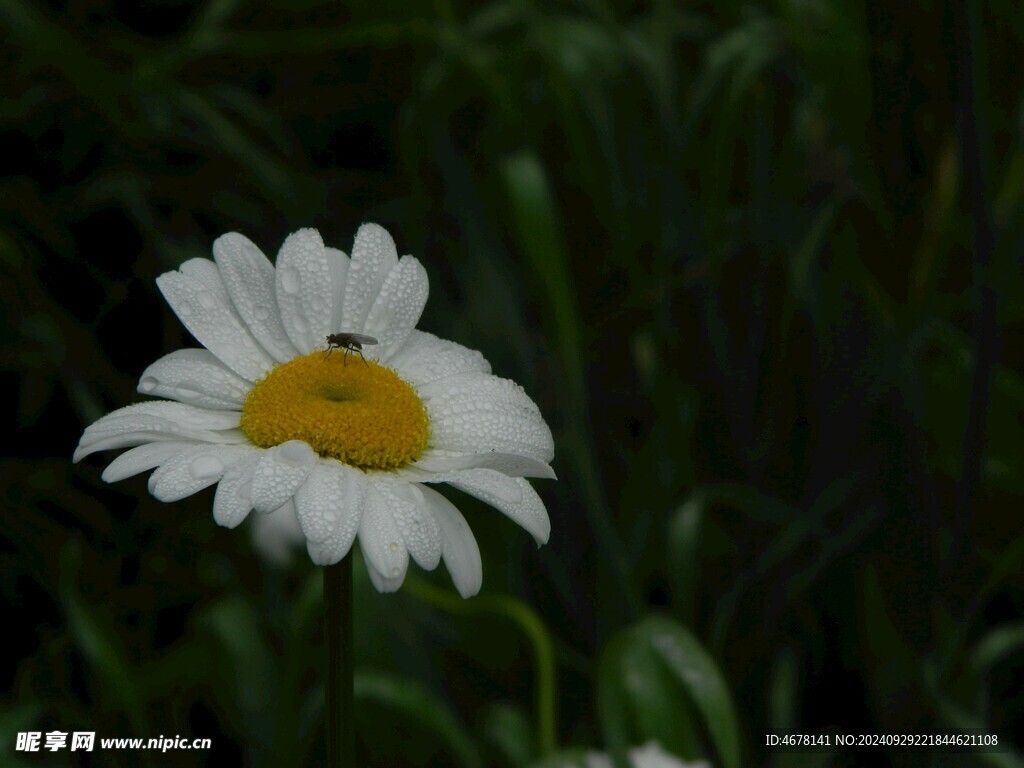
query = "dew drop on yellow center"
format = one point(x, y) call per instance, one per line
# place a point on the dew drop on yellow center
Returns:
point(359, 413)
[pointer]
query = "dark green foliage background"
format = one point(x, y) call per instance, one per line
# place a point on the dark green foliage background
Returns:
point(725, 246)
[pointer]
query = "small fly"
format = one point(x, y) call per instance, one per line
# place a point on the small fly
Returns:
point(350, 342)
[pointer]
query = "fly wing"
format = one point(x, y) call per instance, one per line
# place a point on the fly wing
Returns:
point(362, 338)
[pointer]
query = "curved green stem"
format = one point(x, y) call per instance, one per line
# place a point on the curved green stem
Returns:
point(535, 631)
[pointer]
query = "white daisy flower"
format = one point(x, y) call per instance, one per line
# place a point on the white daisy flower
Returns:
point(348, 442)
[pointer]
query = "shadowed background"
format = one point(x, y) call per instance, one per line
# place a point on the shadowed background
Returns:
point(731, 249)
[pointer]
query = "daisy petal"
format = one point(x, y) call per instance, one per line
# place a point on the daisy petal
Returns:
point(248, 277)
point(330, 506)
point(233, 500)
point(129, 439)
point(142, 458)
point(380, 582)
point(398, 307)
point(458, 548)
point(159, 421)
point(200, 301)
point(373, 257)
point(277, 534)
point(143, 415)
point(340, 267)
point(195, 377)
point(190, 470)
point(434, 461)
point(425, 358)
point(305, 284)
point(478, 412)
point(381, 541)
point(513, 496)
point(420, 531)
point(280, 473)
point(206, 272)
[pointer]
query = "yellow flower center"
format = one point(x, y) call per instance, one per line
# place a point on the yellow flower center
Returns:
point(361, 414)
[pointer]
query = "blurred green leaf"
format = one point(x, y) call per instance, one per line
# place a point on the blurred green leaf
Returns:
point(249, 676)
point(943, 415)
point(650, 675)
point(954, 715)
point(996, 646)
point(570, 758)
point(409, 699)
point(537, 229)
point(684, 549)
point(508, 728)
point(530, 625)
point(97, 640)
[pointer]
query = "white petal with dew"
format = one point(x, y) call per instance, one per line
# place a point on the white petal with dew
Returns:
point(280, 473)
point(330, 507)
point(458, 548)
point(206, 272)
point(192, 469)
point(380, 582)
point(195, 377)
point(420, 531)
point(142, 414)
point(305, 285)
point(163, 420)
point(373, 257)
point(233, 501)
point(474, 413)
point(398, 307)
point(142, 458)
point(434, 461)
point(381, 541)
point(512, 496)
point(200, 301)
point(129, 439)
point(248, 277)
point(425, 358)
point(340, 267)
point(277, 534)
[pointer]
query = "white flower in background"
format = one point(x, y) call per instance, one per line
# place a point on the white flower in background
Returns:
point(331, 444)
point(650, 755)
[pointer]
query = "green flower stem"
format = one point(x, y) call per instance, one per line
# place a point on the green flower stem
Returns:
point(531, 625)
point(341, 731)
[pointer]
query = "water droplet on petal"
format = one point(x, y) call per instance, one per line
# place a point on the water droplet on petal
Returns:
point(396, 571)
point(394, 546)
point(148, 384)
point(262, 312)
point(185, 308)
point(206, 301)
point(206, 466)
point(289, 279)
